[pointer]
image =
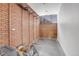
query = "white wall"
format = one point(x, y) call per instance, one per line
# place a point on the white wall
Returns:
point(68, 28)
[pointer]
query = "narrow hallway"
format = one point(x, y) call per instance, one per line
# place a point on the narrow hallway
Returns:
point(26, 29)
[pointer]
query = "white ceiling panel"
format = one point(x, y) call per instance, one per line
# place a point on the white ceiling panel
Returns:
point(45, 8)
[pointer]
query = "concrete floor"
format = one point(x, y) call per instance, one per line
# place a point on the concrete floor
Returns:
point(7, 51)
point(47, 47)
point(44, 47)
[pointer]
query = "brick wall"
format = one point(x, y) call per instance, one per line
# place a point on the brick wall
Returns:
point(31, 28)
point(4, 24)
point(25, 27)
point(35, 30)
point(17, 26)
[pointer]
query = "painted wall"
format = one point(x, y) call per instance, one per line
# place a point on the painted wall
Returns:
point(68, 28)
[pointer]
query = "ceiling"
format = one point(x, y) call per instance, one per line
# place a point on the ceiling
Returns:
point(45, 8)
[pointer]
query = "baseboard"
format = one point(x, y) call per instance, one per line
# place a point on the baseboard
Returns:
point(61, 48)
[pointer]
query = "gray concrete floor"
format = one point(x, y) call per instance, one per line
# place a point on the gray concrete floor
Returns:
point(47, 47)
point(44, 47)
point(7, 51)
